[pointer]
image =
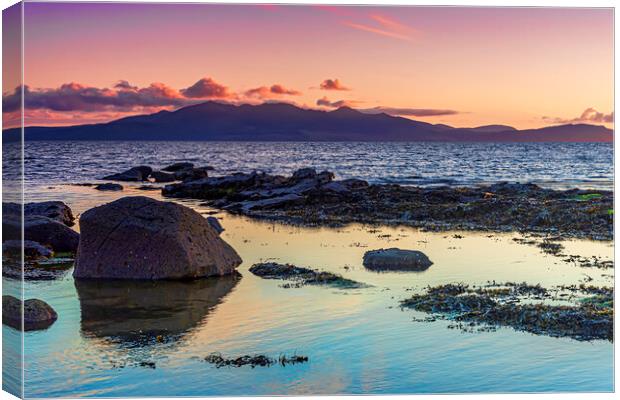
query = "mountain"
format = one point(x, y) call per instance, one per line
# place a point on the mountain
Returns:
point(286, 122)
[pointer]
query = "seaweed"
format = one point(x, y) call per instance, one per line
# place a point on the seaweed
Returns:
point(500, 305)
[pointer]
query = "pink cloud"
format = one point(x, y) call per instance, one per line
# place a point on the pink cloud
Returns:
point(588, 115)
point(207, 88)
point(270, 92)
point(384, 26)
point(333, 84)
point(325, 102)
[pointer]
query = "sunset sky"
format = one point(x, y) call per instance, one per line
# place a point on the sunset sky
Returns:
point(525, 67)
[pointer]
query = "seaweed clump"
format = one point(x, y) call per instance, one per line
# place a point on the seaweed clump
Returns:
point(301, 276)
point(501, 305)
point(253, 361)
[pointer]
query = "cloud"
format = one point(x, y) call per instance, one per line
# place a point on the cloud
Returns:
point(332, 84)
point(207, 88)
point(276, 90)
point(588, 115)
point(409, 112)
point(325, 102)
point(122, 97)
point(77, 97)
point(384, 26)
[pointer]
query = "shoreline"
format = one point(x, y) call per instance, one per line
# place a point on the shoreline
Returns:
point(308, 198)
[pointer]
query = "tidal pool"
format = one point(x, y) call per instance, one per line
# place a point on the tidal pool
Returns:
point(121, 339)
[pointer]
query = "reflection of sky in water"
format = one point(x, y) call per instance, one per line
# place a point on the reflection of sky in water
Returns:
point(559, 165)
point(358, 341)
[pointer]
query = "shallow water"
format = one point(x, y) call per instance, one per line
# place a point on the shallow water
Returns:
point(357, 340)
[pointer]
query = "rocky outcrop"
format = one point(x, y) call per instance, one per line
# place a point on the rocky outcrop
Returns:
point(13, 249)
point(142, 238)
point(56, 210)
point(162, 177)
point(43, 230)
point(396, 260)
point(113, 187)
point(312, 198)
point(37, 314)
point(135, 174)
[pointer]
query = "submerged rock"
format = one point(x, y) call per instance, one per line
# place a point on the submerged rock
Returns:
point(215, 224)
point(109, 187)
point(142, 238)
point(135, 174)
point(37, 313)
point(396, 260)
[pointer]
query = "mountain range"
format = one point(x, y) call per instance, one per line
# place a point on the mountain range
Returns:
point(285, 122)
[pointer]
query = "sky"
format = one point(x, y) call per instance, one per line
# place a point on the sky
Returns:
point(524, 67)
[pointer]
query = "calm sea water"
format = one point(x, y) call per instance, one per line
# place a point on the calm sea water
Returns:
point(358, 341)
point(558, 165)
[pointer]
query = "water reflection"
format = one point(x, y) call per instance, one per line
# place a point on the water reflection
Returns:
point(143, 313)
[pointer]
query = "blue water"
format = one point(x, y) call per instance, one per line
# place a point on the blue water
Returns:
point(358, 341)
point(556, 165)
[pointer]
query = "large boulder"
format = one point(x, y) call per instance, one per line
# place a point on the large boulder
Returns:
point(43, 230)
point(135, 174)
point(37, 314)
point(396, 260)
point(142, 238)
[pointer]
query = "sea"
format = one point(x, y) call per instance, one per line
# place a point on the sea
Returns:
point(126, 339)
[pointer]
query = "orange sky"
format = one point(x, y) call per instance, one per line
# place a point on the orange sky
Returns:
point(525, 67)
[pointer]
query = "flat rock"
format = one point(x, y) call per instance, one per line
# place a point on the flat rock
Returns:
point(396, 260)
point(37, 313)
point(142, 238)
point(114, 187)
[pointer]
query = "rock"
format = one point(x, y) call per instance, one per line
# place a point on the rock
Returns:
point(135, 174)
point(215, 224)
point(37, 313)
point(271, 202)
point(192, 174)
point(109, 187)
point(159, 176)
point(396, 260)
point(507, 187)
point(213, 187)
point(178, 166)
point(142, 238)
point(302, 276)
point(345, 186)
point(56, 210)
point(43, 230)
point(148, 187)
point(13, 248)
